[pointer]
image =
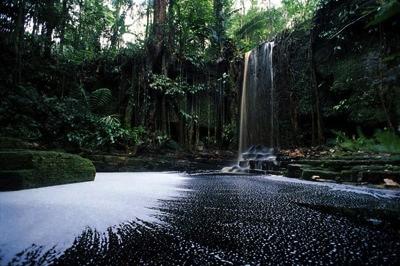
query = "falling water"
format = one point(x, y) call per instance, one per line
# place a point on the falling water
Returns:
point(257, 105)
point(243, 106)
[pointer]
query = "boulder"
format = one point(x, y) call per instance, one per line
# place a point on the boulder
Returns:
point(295, 170)
point(391, 183)
point(377, 177)
point(21, 169)
point(322, 174)
point(172, 145)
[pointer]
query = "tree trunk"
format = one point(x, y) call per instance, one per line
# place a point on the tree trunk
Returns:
point(147, 31)
point(50, 25)
point(159, 23)
point(314, 85)
point(116, 26)
point(19, 40)
point(382, 90)
point(209, 111)
point(64, 14)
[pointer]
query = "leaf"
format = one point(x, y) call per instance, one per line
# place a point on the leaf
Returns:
point(100, 101)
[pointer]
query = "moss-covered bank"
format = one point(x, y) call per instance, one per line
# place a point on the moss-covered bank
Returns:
point(21, 169)
point(178, 161)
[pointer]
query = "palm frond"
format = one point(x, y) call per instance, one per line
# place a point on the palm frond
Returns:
point(258, 22)
point(100, 101)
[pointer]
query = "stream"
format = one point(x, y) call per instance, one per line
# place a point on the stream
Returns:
point(177, 218)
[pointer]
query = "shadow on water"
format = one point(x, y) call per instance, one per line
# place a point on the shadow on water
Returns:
point(228, 220)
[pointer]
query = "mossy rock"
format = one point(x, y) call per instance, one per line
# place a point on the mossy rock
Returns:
point(20, 169)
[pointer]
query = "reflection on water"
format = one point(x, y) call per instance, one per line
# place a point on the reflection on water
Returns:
point(56, 215)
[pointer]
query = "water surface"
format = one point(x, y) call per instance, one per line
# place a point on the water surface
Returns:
point(56, 215)
point(202, 219)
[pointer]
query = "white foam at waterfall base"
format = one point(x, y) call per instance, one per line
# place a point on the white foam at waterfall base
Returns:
point(56, 215)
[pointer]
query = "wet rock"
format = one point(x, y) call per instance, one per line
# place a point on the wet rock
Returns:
point(324, 174)
point(295, 170)
point(315, 177)
point(342, 163)
point(391, 183)
point(348, 176)
point(244, 164)
point(377, 177)
point(31, 169)
point(361, 169)
point(172, 145)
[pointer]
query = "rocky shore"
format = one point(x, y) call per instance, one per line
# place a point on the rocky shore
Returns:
point(24, 165)
point(174, 161)
point(329, 165)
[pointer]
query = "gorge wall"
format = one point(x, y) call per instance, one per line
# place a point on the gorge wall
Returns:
point(340, 74)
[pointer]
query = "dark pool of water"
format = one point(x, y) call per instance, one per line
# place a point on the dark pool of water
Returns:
point(217, 219)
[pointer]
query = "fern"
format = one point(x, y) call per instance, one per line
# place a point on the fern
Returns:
point(110, 121)
point(100, 101)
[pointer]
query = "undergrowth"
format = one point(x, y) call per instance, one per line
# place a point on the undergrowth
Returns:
point(383, 141)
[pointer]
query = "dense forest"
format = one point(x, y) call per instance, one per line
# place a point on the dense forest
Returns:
point(86, 75)
point(199, 132)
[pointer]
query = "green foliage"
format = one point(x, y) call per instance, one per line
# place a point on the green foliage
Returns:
point(167, 86)
point(349, 73)
point(95, 133)
point(174, 88)
point(359, 82)
point(28, 115)
point(229, 134)
point(192, 23)
point(79, 93)
point(100, 101)
point(67, 49)
point(160, 138)
point(258, 24)
point(189, 118)
point(385, 141)
point(299, 11)
point(386, 10)
point(17, 108)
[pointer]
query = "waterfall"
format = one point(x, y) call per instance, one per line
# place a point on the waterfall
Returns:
point(257, 104)
point(243, 107)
